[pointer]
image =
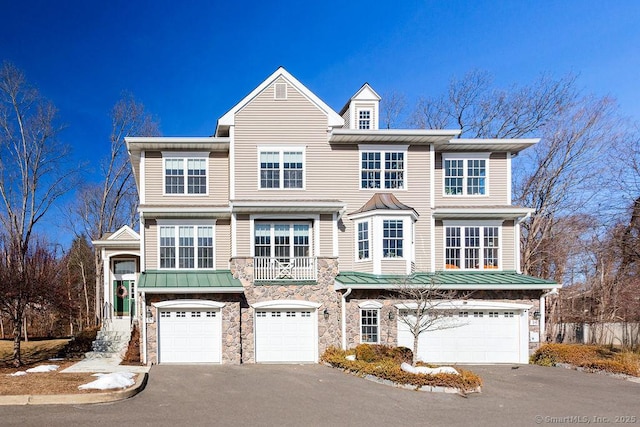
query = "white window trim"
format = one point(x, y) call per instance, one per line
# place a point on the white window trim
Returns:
point(382, 149)
point(465, 157)
point(186, 223)
point(377, 310)
point(481, 224)
point(185, 156)
point(370, 232)
point(281, 149)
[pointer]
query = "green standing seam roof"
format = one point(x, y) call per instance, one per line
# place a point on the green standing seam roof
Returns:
point(188, 279)
point(471, 278)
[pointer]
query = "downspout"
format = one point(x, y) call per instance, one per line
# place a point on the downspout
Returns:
point(144, 327)
point(344, 318)
point(543, 310)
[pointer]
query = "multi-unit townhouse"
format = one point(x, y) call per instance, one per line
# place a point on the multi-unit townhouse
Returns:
point(291, 229)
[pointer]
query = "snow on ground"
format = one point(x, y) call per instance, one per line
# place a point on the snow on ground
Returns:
point(108, 381)
point(17, 374)
point(430, 371)
point(43, 368)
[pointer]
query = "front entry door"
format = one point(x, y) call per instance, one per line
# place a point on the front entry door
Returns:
point(122, 300)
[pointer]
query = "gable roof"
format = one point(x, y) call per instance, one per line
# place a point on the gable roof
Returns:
point(366, 93)
point(228, 119)
point(124, 237)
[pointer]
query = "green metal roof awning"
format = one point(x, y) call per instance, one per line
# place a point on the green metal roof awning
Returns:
point(490, 280)
point(218, 281)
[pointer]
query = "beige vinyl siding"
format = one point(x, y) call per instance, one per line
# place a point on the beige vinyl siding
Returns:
point(416, 195)
point(347, 118)
point(223, 244)
point(295, 122)
point(497, 184)
point(243, 235)
point(508, 246)
point(218, 182)
point(439, 243)
point(394, 266)
point(363, 266)
point(326, 235)
point(151, 244)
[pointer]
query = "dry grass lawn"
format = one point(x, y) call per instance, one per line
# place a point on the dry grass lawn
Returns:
point(35, 353)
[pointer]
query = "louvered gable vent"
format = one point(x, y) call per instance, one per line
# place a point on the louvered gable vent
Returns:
point(280, 91)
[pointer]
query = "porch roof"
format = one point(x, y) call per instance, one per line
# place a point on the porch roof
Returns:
point(490, 280)
point(197, 281)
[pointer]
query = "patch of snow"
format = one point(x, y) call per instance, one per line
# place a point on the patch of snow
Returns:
point(18, 374)
point(56, 359)
point(351, 357)
point(429, 371)
point(43, 368)
point(108, 381)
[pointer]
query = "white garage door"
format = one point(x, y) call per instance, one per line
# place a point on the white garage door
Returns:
point(286, 335)
point(474, 336)
point(189, 336)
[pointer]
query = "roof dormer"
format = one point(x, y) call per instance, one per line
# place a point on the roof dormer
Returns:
point(362, 110)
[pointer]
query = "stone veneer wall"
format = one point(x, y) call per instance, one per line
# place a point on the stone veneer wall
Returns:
point(231, 342)
point(388, 329)
point(321, 292)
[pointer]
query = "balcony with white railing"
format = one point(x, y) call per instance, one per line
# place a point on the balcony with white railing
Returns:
point(266, 269)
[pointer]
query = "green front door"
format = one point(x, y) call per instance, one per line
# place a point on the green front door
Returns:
point(122, 301)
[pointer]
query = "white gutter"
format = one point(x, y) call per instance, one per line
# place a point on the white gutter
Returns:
point(344, 318)
point(542, 309)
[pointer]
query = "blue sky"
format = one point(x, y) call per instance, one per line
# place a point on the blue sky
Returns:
point(190, 61)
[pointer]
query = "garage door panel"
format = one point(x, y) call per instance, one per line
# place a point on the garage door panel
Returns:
point(286, 336)
point(189, 336)
point(488, 337)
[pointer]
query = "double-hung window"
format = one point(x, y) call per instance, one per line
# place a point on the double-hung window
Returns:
point(185, 174)
point(370, 322)
point(472, 247)
point(186, 246)
point(363, 240)
point(364, 119)
point(465, 176)
point(392, 238)
point(281, 168)
point(382, 168)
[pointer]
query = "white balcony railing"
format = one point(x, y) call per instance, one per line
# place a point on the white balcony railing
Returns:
point(291, 269)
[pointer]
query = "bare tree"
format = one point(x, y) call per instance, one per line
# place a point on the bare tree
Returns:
point(426, 308)
point(105, 206)
point(563, 175)
point(391, 107)
point(27, 279)
point(34, 174)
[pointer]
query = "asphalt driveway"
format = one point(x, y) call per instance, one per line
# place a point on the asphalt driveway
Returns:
point(313, 395)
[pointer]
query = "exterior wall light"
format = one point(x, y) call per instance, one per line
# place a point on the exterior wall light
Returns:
point(325, 313)
point(536, 315)
point(391, 315)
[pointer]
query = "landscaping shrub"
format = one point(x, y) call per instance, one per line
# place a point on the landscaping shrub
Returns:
point(81, 343)
point(592, 357)
point(384, 362)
